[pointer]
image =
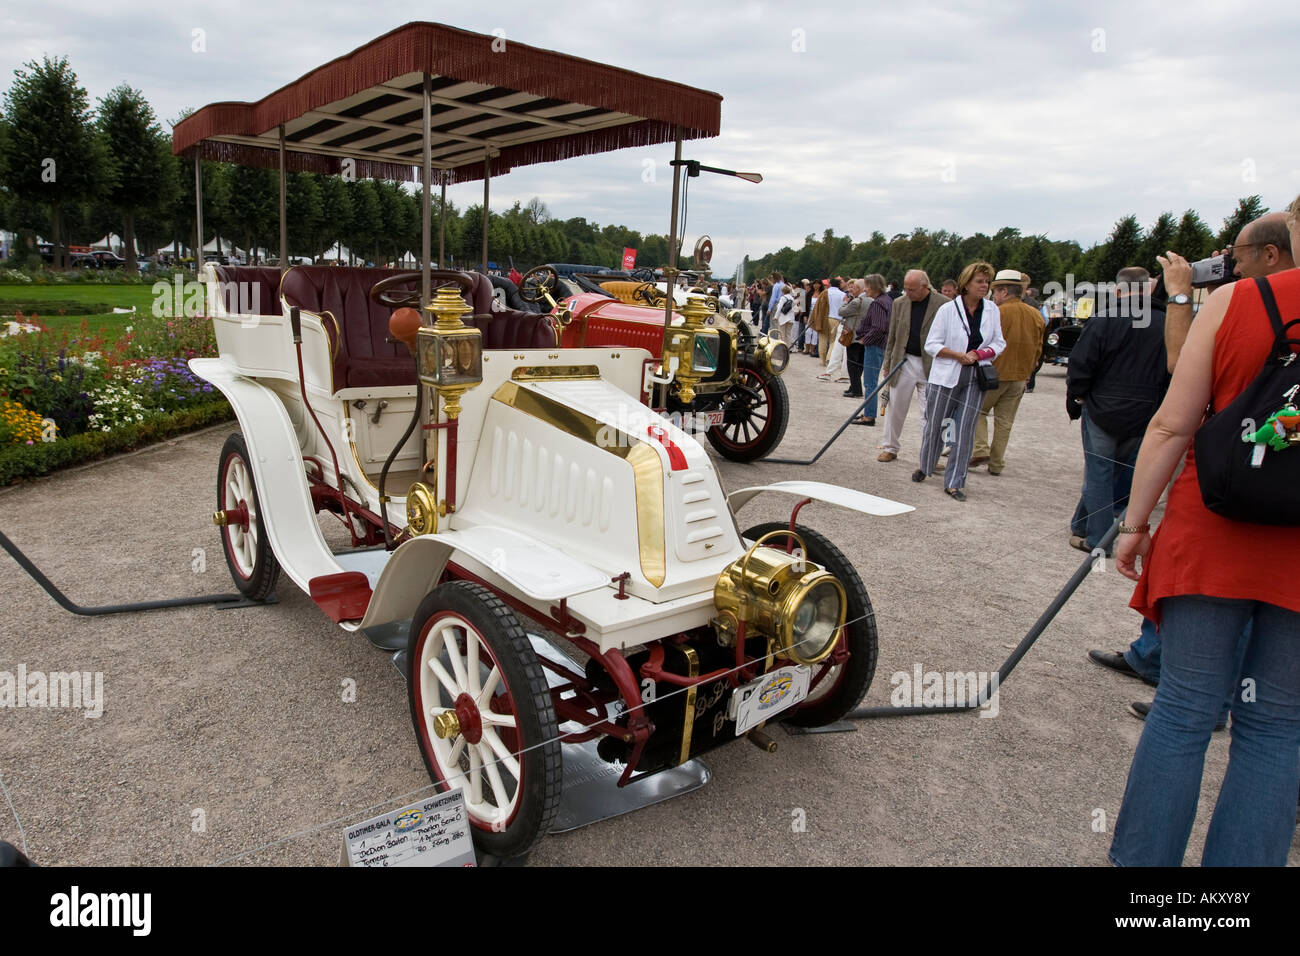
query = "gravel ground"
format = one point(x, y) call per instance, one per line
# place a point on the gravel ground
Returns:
point(225, 736)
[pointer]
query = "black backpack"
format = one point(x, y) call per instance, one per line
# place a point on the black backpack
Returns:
point(1244, 479)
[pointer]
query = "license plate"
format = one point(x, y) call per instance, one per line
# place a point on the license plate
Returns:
point(767, 696)
point(712, 418)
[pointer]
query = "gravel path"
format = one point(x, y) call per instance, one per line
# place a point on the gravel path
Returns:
point(226, 737)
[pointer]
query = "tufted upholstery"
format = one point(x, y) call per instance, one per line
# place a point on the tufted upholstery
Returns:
point(261, 294)
point(363, 356)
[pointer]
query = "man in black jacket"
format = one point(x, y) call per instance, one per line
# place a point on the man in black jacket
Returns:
point(1117, 379)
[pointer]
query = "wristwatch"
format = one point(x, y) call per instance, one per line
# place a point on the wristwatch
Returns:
point(1182, 298)
point(1134, 529)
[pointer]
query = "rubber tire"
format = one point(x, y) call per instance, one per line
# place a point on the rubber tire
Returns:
point(525, 681)
point(779, 417)
point(259, 585)
point(854, 678)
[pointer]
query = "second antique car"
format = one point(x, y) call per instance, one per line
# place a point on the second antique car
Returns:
point(740, 403)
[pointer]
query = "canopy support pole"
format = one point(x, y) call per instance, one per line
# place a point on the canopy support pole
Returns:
point(487, 176)
point(670, 270)
point(427, 199)
point(198, 213)
point(284, 206)
point(442, 221)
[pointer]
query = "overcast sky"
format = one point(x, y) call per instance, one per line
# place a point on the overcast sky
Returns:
point(961, 116)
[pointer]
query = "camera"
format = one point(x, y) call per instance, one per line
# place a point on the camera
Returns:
point(1215, 270)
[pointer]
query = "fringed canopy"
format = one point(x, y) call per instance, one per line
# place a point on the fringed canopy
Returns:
point(492, 99)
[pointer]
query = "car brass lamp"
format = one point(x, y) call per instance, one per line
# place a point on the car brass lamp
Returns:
point(693, 346)
point(781, 596)
point(449, 353)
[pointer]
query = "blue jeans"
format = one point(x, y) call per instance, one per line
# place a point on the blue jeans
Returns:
point(873, 357)
point(1107, 477)
point(1254, 818)
point(1143, 655)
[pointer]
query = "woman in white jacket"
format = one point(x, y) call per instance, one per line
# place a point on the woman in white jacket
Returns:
point(966, 332)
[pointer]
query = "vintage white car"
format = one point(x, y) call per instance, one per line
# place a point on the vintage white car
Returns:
point(499, 486)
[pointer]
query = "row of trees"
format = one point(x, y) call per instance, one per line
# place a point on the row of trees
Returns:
point(943, 254)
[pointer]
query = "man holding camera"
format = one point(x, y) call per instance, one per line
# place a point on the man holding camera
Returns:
point(1263, 247)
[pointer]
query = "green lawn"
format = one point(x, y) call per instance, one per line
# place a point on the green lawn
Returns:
point(30, 298)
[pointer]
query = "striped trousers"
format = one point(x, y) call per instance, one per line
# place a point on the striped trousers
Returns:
point(950, 419)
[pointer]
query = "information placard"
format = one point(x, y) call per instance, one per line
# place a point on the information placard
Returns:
point(433, 832)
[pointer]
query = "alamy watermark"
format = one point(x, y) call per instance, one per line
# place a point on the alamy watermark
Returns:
point(922, 688)
point(1125, 300)
point(76, 690)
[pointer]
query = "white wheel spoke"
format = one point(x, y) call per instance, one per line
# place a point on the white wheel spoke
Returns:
point(497, 720)
point(232, 492)
point(449, 645)
point(489, 688)
point(495, 783)
point(444, 678)
point(458, 748)
point(501, 750)
point(475, 776)
point(471, 664)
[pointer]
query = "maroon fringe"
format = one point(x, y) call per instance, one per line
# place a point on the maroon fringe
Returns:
point(446, 51)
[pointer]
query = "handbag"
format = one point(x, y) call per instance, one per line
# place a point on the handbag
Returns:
point(986, 377)
point(846, 336)
point(1248, 454)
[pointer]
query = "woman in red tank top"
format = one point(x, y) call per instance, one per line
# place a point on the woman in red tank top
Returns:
point(1204, 580)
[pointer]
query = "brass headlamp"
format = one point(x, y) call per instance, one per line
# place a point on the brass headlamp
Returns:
point(782, 596)
point(693, 346)
point(449, 353)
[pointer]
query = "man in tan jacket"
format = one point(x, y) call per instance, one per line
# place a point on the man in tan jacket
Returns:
point(909, 325)
point(1022, 326)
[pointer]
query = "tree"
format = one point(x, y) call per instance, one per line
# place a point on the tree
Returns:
point(1158, 241)
point(52, 154)
point(336, 214)
point(1248, 210)
point(1122, 248)
point(1038, 259)
point(142, 155)
point(1193, 239)
point(255, 217)
point(303, 212)
point(367, 222)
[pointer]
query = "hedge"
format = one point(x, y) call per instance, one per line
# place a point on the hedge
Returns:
point(31, 461)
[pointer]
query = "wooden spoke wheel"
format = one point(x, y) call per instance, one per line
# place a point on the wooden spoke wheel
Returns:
point(755, 412)
point(483, 715)
point(248, 554)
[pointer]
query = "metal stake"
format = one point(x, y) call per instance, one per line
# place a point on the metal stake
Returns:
point(487, 176)
point(427, 199)
point(284, 205)
point(198, 210)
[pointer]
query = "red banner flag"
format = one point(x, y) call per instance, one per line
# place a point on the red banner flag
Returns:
point(629, 259)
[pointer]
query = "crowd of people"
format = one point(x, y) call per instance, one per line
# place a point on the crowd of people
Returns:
point(1218, 639)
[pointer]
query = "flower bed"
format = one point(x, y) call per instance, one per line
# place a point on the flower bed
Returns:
point(72, 396)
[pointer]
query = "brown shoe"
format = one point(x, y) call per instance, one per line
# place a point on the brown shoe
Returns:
point(994, 471)
point(978, 460)
point(886, 456)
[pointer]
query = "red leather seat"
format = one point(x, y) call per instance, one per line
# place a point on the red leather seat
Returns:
point(249, 290)
point(358, 328)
